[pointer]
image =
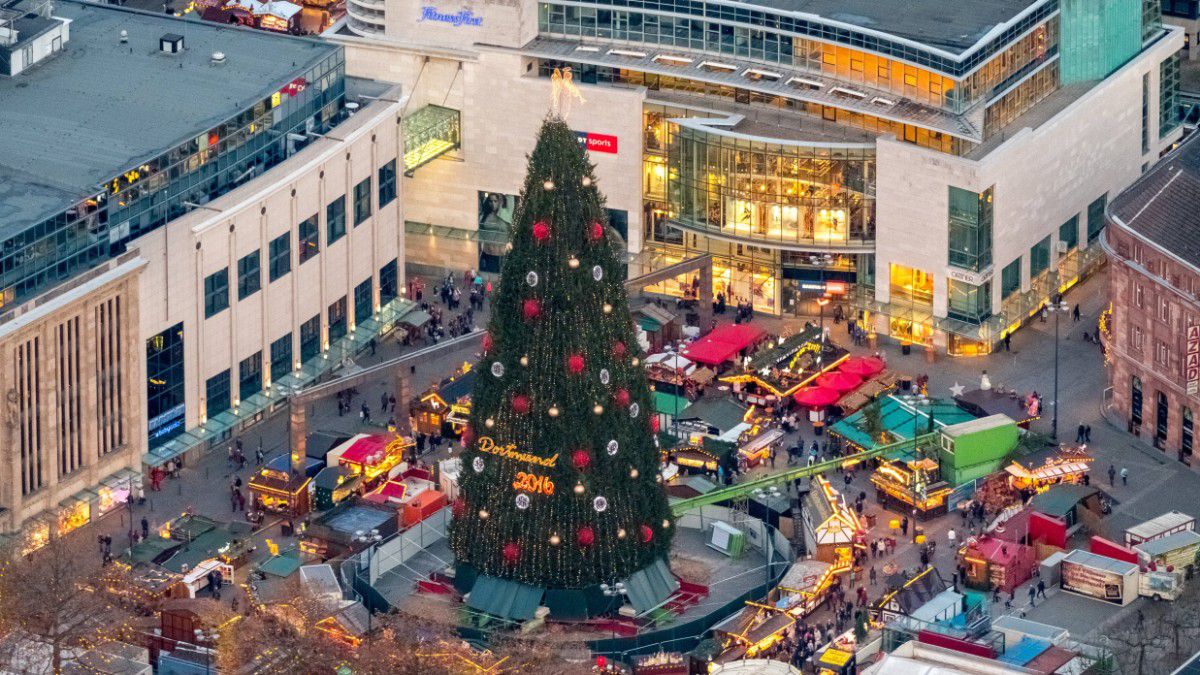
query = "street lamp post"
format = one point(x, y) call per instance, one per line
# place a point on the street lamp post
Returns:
point(1057, 306)
point(917, 401)
point(616, 590)
point(211, 638)
point(371, 539)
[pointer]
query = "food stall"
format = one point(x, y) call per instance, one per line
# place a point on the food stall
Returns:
point(1068, 467)
point(672, 373)
point(1161, 526)
point(702, 455)
point(1174, 551)
point(373, 457)
point(831, 528)
point(280, 491)
point(915, 486)
point(196, 579)
point(724, 344)
point(991, 562)
point(443, 409)
point(771, 375)
point(755, 443)
point(1099, 577)
point(720, 418)
point(834, 661)
point(333, 485)
point(804, 587)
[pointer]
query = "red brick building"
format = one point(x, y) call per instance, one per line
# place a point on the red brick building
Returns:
point(1153, 336)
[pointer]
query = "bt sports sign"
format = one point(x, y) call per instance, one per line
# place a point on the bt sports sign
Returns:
point(461, 18)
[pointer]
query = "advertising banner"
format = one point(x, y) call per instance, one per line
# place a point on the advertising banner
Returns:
point(1191, 363)
point(1092, 582)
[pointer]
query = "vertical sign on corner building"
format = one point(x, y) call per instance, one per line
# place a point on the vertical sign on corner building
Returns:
point(1191, 362)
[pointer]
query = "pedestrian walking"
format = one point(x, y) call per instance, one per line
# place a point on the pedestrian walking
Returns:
point(1124, 476)
point(258, 454)
point(365, 413)
point(1075, 312)
point(145, 527)
point(951, 536)
point(904, 526)
point(1008, 342)
point(1079, 434)
point(1112, 475)
point(1041, 588)
point(1032, 596)
point(1087, 433)
point(872, 575)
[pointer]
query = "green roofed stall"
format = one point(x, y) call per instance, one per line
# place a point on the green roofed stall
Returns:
point(897, 420)
point(504, 598)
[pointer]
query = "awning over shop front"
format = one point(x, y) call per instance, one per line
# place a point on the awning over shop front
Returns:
point(505, 599)
point(723, 343)
point(415, 319)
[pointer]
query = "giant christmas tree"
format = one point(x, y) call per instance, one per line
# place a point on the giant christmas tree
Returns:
point(560, 474)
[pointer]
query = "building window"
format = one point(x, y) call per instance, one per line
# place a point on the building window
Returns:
point(1135, 401)
point(281, 357)
point(389, 279)
point(335, 219)
point(310, 338)
point(1095, 217)
point(1136, 338)
point(911, 286)
point(165, 385)
point(1139, 297)
point(1169, 109)
point(1160, 419)
point(1010, 278)
point(387, 183)
point(216, 292)
point(970, 219)
point(1039, 257)
point(216, 391)
point(362, 201)
point(1068, 233)
point(250, 376)
point(280, 251)
point(1164, 309)
point(1146, 112)
point(1162, 353)
point(337, 319)
point(362, 301)
point(1187, 431)
point(310, 242)
point(249, 276)
point(968, 302)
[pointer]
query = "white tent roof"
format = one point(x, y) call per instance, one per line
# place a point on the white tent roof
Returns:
point(672, 361)
point(279, 8)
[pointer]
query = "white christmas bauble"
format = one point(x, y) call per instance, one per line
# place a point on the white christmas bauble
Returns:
point(524, 360)
point(635, 361)
point(633, 473)
point(598, 409)
point(489, 423)
point(483, 514)
point(607, 308)
point(585, 181)
point(621, 533)
point(573, 262)
point(599, 503)
point(579, 488)
point(554, 540)
point(549, 185)
point(666, 524)
point(553, 411)
point(477, 464)
point(613, 447)
point(634, 409)
point(498, 369)
point(604, 376)
point(531, 278)
point(597, 273)
point(522, 501)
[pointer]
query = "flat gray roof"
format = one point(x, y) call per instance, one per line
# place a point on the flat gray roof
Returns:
point(953, 26)
point(100, 107)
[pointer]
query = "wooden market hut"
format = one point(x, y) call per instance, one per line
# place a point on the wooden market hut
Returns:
point(831, 527)
point(444, 408)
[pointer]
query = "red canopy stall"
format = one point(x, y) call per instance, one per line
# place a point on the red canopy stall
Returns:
point(839, 381)
point(816, 397)
point(724, 343)
point(862, 366)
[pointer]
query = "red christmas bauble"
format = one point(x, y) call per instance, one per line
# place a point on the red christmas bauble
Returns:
point(459, 508)
point(601, 662)
point(596, 231)
point(581, 459)
point(575, 364)
point(585, 536)
point(654, 424)
point(520, 403)
point(618, 349)
point(531, 308)
point(487, 342)
point(621, 396)
point(647, 534)
point(541, 230)
point(511, 552)
point(468, 435)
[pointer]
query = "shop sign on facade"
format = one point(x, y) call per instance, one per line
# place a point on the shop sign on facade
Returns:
point(598, 142)
point(967, 276)
point(463, 18)
point(1191, 367)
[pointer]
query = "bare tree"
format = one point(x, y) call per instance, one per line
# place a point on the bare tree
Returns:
point(54, 606)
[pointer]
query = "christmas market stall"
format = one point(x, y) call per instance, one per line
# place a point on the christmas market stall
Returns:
point(725, 344)
point(374, 457)
point(804, 587)
point(831, 527)
point(1000, 401)
point(660, 325)
point(1174, 551)
point(674, 373)
point(976, 448)
point(278, 489)
point(914, 486)
point(1069, 466)
point(890, 419)
point(444, 408)
point(702, 456)
point(994, 563)
point(720, 418)
point(333, 485)
point(771, 375)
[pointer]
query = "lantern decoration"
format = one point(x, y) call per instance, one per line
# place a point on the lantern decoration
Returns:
point(520, 403)
point(531, 309)
point(596, 231)
point(621, 533)
point(512, 552)
point(541, 230)
point(621, 396)
point(581, 459)
point(575, 364)
point(647, 534)
point(585, 536)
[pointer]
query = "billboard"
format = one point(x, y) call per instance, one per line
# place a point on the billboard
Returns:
point(1092, 582)
point(598, 142)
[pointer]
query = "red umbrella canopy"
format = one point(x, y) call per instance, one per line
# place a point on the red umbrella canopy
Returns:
point(863, 366)
point(816, 397)
point(840, 382)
